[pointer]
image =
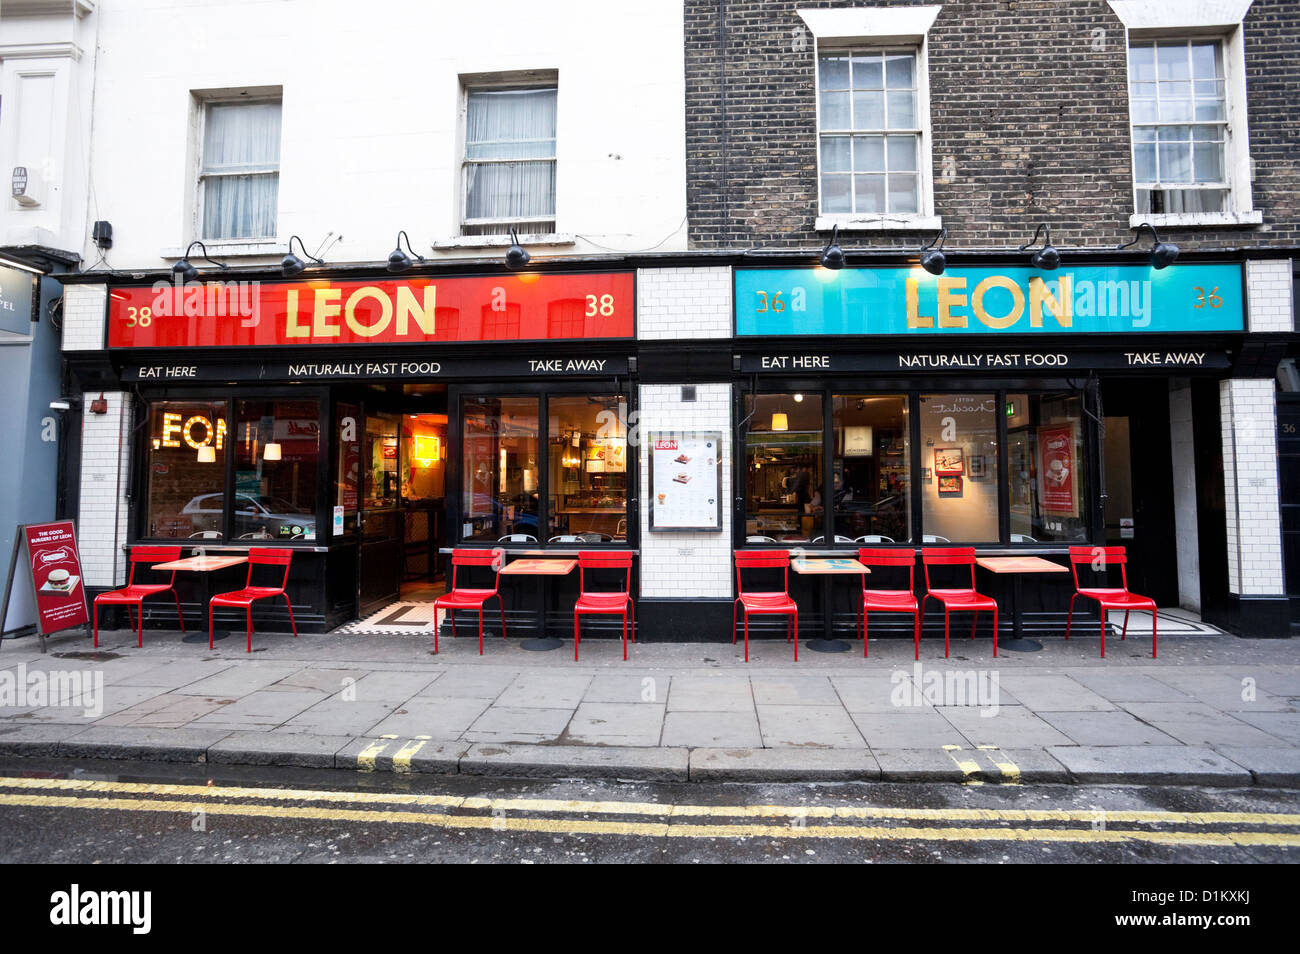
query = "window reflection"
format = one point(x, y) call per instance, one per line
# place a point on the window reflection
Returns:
point(500, 466)
point(187, 469)
point(1045, 467)
point(869, 480)
point(959, 460)
point(783, 458)
point(275, 469)
point(587, 450)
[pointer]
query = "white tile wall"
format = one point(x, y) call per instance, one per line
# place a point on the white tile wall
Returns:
point(686, 565)
point(102, 521)
point(1186, 538)
point(1250, 483)
point(83, 317)
point(683, 303)
point(1268, 294)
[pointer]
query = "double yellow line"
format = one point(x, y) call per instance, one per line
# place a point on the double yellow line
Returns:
point(662, 820)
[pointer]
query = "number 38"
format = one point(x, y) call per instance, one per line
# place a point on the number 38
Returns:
point(141, 317)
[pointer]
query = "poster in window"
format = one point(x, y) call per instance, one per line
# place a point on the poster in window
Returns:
point(949, 460)
point(686, 480)
point(1058, 491)
point(950, 484)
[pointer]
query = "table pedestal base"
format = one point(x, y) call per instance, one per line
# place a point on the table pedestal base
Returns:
point(203, 637)
point(1019, 644)
point(539, 644)
point(826, 645)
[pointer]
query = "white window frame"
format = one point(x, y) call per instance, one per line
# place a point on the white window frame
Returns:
point(1155, 20)
point(883, 29)
point(205, 100)
point(528, 79)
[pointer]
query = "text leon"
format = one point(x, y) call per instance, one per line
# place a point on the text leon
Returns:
point(368, 311)
point(951, 295)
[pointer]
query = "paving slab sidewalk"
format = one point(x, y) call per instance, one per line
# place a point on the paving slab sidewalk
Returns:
point(1209, 711)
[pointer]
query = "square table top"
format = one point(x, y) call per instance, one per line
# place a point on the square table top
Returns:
point(202, 564)
point(1024, 564)
point(823, 566)
point(539, 567)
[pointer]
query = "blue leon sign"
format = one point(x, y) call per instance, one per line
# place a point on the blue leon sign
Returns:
point(911, 301)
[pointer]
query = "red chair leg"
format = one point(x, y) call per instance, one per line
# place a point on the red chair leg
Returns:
point(248, 623)
point(1070, 616)
point(631, 609)
point(480, 629)
point(864, 631)
point(1124, 632)
point(625, 635)
point(292, 624)
point(1153, 631)
point(995, 632)
point(795, 618)
point(575, 635)
point(139, 619)
point(945, 631)
point(179, 615)
point(916, 633)
point(1102, 613)
point(210, 625)
point(96, 612)
point(435, 628)
point(746, 635)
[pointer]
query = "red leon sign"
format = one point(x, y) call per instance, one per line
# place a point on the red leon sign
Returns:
point(527, 307)
point(56, 575)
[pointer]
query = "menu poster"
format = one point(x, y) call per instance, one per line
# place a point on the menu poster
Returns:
point(686, 481)
point(1056, 470)
point(56, 575)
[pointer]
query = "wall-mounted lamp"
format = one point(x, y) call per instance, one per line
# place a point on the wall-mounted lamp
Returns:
point(932, 258)
point(188, 272)
point(291, 264)
point(399, 261)
point(780, 422)
point(1047, 258)
point(832, 254)
point(1163, 254)
point(271, 451)
point(207, 454)
point(516, 255)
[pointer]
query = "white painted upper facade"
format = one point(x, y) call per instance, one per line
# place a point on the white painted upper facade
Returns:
point(47, 65)
point(372, 120)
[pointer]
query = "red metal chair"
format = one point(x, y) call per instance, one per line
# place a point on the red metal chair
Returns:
point(618, 601)
point(964, 599)
point(257, 556)
point(468, 598)
point(1108, 597)
point(760, 601)
point(136, 592)
point(890, 601)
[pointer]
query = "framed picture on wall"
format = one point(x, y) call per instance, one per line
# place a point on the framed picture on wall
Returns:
point(925, 475)
point(977, 464)
point(950, 485)
point(949, 460)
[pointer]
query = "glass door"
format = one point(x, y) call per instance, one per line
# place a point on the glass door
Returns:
point(380, 558)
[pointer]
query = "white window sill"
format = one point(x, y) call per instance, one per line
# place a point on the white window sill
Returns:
point(879, 223)
point(503, 241)
point(1193, 219)
point(230, 250)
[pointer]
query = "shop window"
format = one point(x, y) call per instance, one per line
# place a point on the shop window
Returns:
point(277, 450)
point(587, 467)
point(239, 170)
point(187, 470)
point(380, 453)
point(870, 486)
point(424, 457)
point(783, 468)
point(1046, 468)
point(499, 469)
point(509, 163)
point(959, 468)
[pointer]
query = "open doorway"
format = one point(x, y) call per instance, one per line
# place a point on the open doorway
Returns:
point(422, 473)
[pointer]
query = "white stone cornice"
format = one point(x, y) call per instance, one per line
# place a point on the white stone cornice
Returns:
point(1158, 14)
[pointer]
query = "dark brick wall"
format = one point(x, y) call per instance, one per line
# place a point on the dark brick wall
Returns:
point(1029, 108)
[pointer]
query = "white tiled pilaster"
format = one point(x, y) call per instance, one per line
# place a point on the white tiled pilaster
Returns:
point(1250, 483)
point(683, 303)
point(1187, 545)
point(686, 565)
point(84, 316)
point(1268, 294)
point(102, 519)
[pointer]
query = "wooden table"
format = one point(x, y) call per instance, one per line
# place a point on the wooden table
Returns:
point(828, 568)
point(543, 569)
point(1017, 567)
point(204, 564)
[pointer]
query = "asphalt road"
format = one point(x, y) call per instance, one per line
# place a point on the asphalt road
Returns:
point(98, 813)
